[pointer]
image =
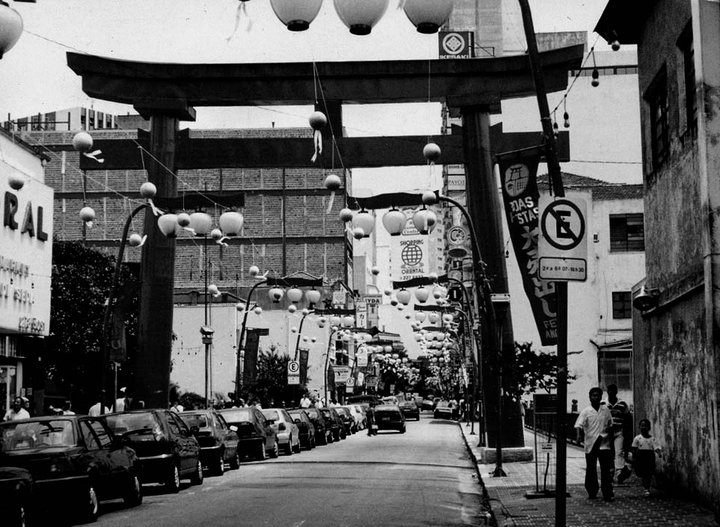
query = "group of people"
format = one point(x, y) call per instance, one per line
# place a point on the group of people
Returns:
point(601, 426)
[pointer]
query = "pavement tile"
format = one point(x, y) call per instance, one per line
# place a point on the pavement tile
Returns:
point(511, 508)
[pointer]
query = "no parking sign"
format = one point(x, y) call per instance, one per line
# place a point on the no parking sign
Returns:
point(562, 248)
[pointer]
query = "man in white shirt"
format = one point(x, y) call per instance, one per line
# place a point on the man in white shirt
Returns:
point(17, 411)
point(305, 402)
point(96, 410)
point(594, 427)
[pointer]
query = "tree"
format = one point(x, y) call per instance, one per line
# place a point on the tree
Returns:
point(271, 386)
point(80, 285)
point(533, 370)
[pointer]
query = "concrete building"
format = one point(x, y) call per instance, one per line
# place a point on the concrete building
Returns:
point(25, 264)
point(675, 334)
point(287, 229)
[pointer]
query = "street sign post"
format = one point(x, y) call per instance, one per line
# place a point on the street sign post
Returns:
point(562, 248)
point(293, 372)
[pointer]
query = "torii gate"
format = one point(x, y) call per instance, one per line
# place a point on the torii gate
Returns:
point(168, 93)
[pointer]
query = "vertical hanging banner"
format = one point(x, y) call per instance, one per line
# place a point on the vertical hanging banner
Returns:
point(252, 340)
point(304, 355)
point(518, 178)
point(409, 253)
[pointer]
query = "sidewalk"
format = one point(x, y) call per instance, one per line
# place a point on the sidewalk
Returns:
point(510, 507)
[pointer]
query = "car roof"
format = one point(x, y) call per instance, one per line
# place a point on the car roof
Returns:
point(387, 407)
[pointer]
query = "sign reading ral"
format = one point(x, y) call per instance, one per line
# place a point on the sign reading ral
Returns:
point(562, 248)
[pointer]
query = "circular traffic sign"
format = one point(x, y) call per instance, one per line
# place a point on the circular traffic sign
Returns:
point(562, 224)
point(293, 366)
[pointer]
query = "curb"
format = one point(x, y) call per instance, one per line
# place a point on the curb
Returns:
point(490, 519)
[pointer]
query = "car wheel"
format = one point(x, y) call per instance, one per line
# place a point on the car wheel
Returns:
point(173, 480)
point(235, 461)
point(436, 415)
point(402, 430)
point(197, 476)
point(275, 452)
point(219, 467)
point(133, 496)
point(89, 506)
point(261, 452)
point(296, 449)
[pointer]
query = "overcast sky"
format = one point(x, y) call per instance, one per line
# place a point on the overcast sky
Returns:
point(34, 76)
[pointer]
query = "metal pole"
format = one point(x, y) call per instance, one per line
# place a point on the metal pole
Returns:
point(560, 287)
point(108, 306)
point(207, 345)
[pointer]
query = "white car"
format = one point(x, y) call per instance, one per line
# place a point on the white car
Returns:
point(359, 416)
point(288, 434)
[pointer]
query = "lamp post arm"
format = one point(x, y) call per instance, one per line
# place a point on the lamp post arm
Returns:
point(241, 339)
point(110, 301)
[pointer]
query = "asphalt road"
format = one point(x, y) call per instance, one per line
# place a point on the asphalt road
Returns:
point(421, 478)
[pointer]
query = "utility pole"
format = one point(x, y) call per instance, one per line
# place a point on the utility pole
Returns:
point(560, 287)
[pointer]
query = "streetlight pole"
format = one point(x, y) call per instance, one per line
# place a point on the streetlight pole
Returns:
point(241, 341)
point(108, 306)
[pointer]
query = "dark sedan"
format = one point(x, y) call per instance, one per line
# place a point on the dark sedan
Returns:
point(16, 496)
point(323, 426)
point(75, 462)
point(347, 419)
point(167, 448)
point(256, 437)
point(336, 423)
point(218, 442)
point(410, 409)
point(305, 426)
point(389, 417)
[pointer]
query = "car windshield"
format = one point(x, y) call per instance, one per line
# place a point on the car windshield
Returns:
point(237, 414)
point(199, 420)
point(296, 415)
point(133, 423)
point(271, 415)
point(34, 434)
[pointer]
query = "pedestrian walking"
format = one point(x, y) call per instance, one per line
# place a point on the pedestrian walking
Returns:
point(620, 411)
point(644, 449)
point(594, 428)
point(305, 402)
point(370, 415)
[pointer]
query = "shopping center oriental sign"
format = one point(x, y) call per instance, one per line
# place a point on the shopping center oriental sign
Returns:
point(26, 250)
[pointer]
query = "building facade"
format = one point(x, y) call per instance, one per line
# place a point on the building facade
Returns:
point(675, 343)
point(25, 264)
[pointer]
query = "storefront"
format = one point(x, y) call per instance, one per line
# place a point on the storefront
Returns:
point(26, 209)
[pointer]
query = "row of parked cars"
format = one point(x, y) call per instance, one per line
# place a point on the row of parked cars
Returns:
point(76, 461)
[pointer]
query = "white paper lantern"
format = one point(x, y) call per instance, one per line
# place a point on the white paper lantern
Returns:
point(362, 16)
point(231, 222)
point(168, 225)
point(296, 14)
point(11, 27)
point(365, 221)
point(200, 222)
point(394, 222)
point(428, 15)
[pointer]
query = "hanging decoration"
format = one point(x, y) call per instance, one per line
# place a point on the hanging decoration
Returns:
point(431, 152)
point(394, 221)
point(83, 142)
point(332, 183)
point(365, 221)
point(318, 121)
point(11, 27)
point(296, 14)
point(231, 222)
point(427, 15)
point(360, 17)
point(595, 73)
point(241, 13)
point(16, 181)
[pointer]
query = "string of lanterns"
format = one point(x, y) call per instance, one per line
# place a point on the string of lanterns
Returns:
point(360, 17)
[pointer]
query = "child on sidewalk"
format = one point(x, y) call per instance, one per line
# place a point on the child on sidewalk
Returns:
point(644, 449)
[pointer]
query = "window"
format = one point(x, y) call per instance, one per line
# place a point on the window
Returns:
point(615, 367)
point(621, 304)
point(687, 49)
point(627, 232)
point(656, 97)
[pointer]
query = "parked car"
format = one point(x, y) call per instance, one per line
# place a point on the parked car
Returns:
point(288, 435)
point(75, 462)
point(336, 423)
point(364, 400)
point(428, 403)
point(445, 409)
point(256, 437)
point(410, 409)
point(305, 427)
point(347, 419)
point(323, 426)
point(389, 417)
point(17, 500)
point(218, 442)
point(167, 447)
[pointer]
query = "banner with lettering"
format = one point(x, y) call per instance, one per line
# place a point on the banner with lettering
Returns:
point(518, 177)
point(304, 356)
